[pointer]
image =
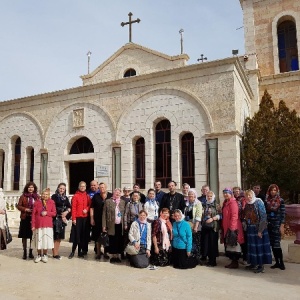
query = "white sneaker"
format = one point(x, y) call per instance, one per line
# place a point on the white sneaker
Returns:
point(45, 258)
point(37, 259)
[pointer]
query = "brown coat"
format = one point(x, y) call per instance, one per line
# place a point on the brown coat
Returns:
point(22, 205)
point(108, 216)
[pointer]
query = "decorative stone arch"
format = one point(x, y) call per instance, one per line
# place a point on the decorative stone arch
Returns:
point(288, 15)
point(106, 116)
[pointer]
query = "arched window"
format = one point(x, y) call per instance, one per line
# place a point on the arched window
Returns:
point(163, 152)
point(17, 161)
point(82, 145)
point(130, 72)
point(287, 46)
point(188, 159)
point(140, 162)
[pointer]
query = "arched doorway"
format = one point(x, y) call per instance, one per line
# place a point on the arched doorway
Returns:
point(83, 169)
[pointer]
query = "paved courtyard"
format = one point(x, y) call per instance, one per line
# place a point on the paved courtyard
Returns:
point(90, 279)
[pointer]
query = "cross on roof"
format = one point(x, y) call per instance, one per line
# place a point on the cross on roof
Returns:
point(202, 58)
point(129, 23)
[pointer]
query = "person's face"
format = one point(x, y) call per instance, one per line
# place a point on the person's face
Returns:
point(273, 192)
point(204, 190)
point(256, 189)
point(177, 216)
point(142, 217)
point(94, 186)
point(248, 197)
point(61, 189)
point(45, 195)
point(82, 187)
point(227, 196)
point(151, 195)
point(30, 189)
point(126, 193)
point(157, 186)
point(236, 193)
point(165, 215)
point(185, 189)
point(172, 187)
point(209, 196)
point(192, 197)
point(136, 188)
point(117, 193)
point(135, 197)
point(102, 188)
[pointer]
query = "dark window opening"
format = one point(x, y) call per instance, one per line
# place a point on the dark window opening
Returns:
point(82, 145)
point(287, 47)
point(130, 72)
point(163, 152)
point(17, 162)
point(31, 165)
point(140, 162)
point(2, 169)
point(188, 159)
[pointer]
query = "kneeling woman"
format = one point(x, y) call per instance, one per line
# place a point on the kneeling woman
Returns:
point(140, 236)
point(182, 243)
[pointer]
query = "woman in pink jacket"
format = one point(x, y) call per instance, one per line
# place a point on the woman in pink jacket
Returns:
point(44, 211)
point(232, 231)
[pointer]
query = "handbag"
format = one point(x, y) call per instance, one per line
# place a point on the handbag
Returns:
point(7, 232)
point(131, 250)
point(104, 239)
point(141, 260)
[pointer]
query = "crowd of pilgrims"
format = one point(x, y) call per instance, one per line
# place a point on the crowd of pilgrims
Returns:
point(159, 229)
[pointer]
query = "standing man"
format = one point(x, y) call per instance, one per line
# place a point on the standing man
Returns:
point(158, 192)
point(136, 188)
point(258, 192)
point(204, 191)
point(172, 200)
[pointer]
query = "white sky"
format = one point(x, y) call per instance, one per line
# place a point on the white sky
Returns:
point(44, 42)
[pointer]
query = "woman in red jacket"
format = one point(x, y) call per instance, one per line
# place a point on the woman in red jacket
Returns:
point(81, 203)
point(232, 231)
point(44, 211)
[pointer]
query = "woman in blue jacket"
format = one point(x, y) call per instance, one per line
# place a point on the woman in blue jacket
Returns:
point(182, 243)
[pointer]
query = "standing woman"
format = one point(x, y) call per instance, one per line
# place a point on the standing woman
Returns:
point(182, 243)
point(2, 222)
point(63, 208)
point(151, 206)
point(255, 217)
point(113, 222)
point(210, 229)
point(25, 206)
point(193, 214)
point(44, 211)
point(276, 218)
point(232, 230)
point(132, 210)
point(80, 207)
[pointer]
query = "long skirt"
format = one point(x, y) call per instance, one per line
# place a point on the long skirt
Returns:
point(274, 233)
point(78, 232)
point(116, 241)
point(25, 231)
point(259, 250)
point(42, 238)
point(196, 248)
point(161, 259)
point(210, 244)
point(59, 229)
point(181, 260)
point(2, 239)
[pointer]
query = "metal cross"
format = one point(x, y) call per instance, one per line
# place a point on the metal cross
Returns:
point(202, 58)
point(129, 23)
point(89, 58)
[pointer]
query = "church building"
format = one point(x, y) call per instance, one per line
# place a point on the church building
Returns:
point(143, 115)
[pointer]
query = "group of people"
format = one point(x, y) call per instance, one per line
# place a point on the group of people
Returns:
point(175, 228)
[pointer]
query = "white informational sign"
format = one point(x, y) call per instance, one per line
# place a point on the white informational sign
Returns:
point(102, 171)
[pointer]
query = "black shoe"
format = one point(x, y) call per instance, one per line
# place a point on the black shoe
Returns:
point(24, 254)
point(58, 257)
point(282, 266)
point(203, 258)
point(260, 269)
point(71, 255)
point(98, 257)
point(106, 256)
point(276, 266)
point(123, 255)
point(211, 264)
point(251, 267)
point(30, 254)
point(112, 260)
point(118, 260)
point(81, 255)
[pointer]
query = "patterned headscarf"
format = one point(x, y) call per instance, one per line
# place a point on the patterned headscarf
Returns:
point(273, 203)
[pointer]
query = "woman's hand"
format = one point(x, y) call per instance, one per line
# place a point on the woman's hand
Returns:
point(156, 250)
point(259, 235)
point(148, 253)
point(282, 230)
point(92, 222)
point(74, 222)
point(44, 213)
point(33, 228)
point(137, 246)
point(209, 220)
point(28, 210)
point(188, 254)
point(84, 211)
point(104, 229)
point(195, 229)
